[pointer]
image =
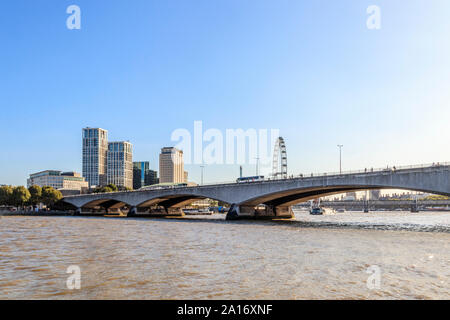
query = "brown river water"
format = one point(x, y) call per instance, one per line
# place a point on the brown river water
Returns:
point(209, 258)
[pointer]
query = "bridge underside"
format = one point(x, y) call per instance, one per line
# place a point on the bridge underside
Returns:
point(162, 206)
point(279, 205)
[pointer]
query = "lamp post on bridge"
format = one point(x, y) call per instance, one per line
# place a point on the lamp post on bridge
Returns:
point(340, 157)
point(257, 166)
point(202, 166)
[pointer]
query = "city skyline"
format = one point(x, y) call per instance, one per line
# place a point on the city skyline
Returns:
point(249, 167)
point(320, 77)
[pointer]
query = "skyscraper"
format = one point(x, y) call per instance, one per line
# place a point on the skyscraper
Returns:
point(95, 148)
point(139, 171)
point(171, 165)
point(142, 175)
point(120, 164)
point(151, 178)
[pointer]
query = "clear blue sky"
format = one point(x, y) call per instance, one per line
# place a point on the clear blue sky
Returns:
point(142, 69)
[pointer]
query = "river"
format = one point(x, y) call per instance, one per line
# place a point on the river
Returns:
point(208, 258)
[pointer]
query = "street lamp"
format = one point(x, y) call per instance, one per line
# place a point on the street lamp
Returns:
point(340, 157)
point(202, 166)
point(257, 166)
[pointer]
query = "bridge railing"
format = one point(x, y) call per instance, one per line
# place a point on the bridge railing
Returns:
point(367, 171)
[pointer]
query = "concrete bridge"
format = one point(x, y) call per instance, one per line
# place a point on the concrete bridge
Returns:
point(269, 198)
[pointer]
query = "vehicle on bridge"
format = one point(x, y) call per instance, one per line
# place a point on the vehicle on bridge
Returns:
point(250, 179)
point(164, 186)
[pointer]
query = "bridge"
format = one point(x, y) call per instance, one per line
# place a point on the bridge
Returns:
point(268, 198)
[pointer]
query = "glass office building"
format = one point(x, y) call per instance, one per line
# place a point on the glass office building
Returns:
point(143, 176)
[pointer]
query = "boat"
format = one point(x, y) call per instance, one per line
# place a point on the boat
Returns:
point(198, 212)
point(317, 211)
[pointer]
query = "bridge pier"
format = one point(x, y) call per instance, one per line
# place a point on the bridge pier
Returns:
point(366, 206)
point(174, 211)
point(238, 212)
point(415, 207)
point(132, 212)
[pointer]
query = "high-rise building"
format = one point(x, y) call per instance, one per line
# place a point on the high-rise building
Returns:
point(186, 176)
point(151, 178)
point(95, 148)
point(143, 176)
point(171, 166)
point(139, 171)
point(120, 164)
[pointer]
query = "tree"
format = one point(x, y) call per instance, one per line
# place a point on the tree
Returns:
point(106, 189)
point(110, 188)
point(113, 187)
point(36, 195)
point(50, 196)
point(6, 196)
point(20, 196)
point(103, 190)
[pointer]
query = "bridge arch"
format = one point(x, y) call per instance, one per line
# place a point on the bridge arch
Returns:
point(175, 201)
point(108, 203)
point(298, 195)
